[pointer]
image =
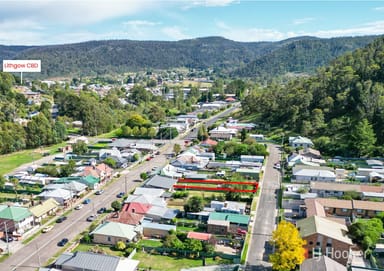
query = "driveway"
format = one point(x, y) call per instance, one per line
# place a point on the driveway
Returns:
point(266, 214)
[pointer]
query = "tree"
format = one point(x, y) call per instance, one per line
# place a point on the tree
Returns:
point(80, 147)
point(143, 176)
point(363, 138)
point(193, 245)
point(110, 162)
point(120, 245)
point(202, 133)
point(171, 241)
point(116, 205)
point(176, 148)
point(2, 181)
point(289, 247)
point(15, 183)
point(194, 204)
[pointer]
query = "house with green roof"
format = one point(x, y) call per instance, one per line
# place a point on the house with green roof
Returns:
point(44, 209)
point(90, 181)
point(17, 219)
point(222, 223)
point(109, 233)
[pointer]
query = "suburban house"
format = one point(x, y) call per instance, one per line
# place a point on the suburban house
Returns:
point(321, 263)
point(257, 137)
point(80, 261)
point(161, 214)
point(253, 172)
point(370, 174)
point(222, 133)
point(229, 206)
point(155, 192)
point(129, 216)
point(325, 190)
point(90, 181)
point(109, 233)
point(201, 236)
point(15, 219)
point(171, 171)
point(121, 162)
point(310, 153)
point(223, 223)
point(208, 143)
point(343, 208)
point(156, 230)
point(75, 188)
point(162, 182)
point(190, 161)
point(146, 199)
point(105, 153)
point(300, 141)
point(252, 158)
point(62, 196)
point(44, 209)
point(325, 237)
point(306, 175)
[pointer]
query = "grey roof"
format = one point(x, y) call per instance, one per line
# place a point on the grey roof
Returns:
point(88, 261)
point(321, 263)
point(163, 212)
point(161, 182)
point(148, 191)
point(158, 226)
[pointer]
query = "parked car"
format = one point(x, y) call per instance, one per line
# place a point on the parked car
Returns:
point(63, 242)
point(7, 239)
point(120, 195)
point(78, 207)
point(47, 228)
point(86, 201)
point(91, 218)
point(61, 219)
point(99, 192)
point(102, 210)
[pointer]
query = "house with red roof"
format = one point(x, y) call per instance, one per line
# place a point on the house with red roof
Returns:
point(202, 236)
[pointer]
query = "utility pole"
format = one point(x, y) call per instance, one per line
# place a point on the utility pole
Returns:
point(126, 190)
point(6, 236)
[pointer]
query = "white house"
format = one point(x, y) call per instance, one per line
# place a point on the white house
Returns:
point(306, 175)
point(300, 141)
point(222, 133)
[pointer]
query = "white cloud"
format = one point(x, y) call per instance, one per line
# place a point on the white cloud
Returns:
point(73, 12)
point(264, 34)
point(379, 9)
point(175, 33)
point(138, 23)
point(302, 21)
point(208, 3)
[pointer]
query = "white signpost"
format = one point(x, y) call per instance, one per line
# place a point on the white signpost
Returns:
point(21, 66)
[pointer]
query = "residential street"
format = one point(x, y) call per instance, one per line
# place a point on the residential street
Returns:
point(265, 220)
point(44, 247)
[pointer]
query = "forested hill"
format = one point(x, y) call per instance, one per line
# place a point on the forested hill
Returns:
point(341, 107)
point(301, 56)
point(248, 58)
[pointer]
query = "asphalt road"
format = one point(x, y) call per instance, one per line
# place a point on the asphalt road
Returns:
point(266, 215)
point(44, 247)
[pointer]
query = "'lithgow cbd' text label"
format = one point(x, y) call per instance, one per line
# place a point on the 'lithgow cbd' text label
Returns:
point(21, 66)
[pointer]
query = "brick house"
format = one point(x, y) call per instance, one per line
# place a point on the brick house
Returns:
point(325, 237)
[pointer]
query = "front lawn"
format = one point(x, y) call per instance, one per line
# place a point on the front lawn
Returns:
point(159, 262)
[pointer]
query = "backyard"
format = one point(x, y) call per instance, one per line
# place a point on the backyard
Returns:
point(160, 262)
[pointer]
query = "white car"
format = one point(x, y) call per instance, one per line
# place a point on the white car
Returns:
point(78, 207)
point(47, 228)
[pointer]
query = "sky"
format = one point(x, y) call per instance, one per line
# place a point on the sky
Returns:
point(46, 22)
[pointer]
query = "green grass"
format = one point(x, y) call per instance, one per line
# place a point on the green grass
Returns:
point(111, 134)
point(10, 162)
point(187, 229)
point(150, 243)
point(159, 262)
